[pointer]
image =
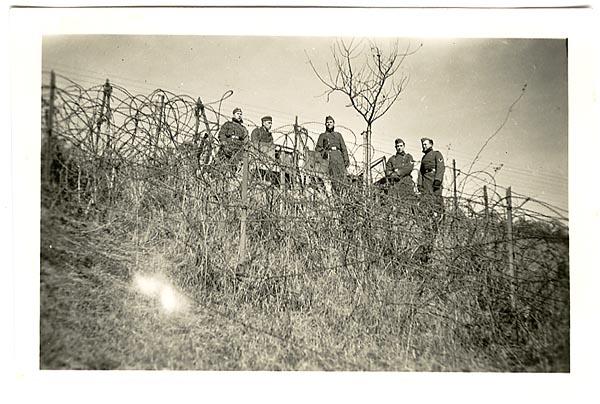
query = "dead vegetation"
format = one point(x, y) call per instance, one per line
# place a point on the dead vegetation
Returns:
point(328, 281)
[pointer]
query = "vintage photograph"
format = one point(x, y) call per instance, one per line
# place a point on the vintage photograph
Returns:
point(304, 203)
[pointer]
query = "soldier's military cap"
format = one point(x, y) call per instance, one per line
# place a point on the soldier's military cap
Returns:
point(397, 141)
point(328, 117)
point(266, 118)
point(236, 109)
point(426, 138)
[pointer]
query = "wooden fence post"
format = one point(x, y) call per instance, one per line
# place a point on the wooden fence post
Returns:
point(282, 189)
point(455, 194)
point(244, 212)
point(159, 126)
point(486, 203)
point(49, 152)
point(295, 171)
point(295, 156)
point(105, 93)
point(509, 234)
point(199, 106)
point(106, 109)
point(202, 113)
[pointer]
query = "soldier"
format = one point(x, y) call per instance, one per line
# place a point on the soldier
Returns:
point(431, 174)
point(232, 136)
point(262, 138)
point(398, 171)
point(263, 134)
point(332, 147)
point(429, 184)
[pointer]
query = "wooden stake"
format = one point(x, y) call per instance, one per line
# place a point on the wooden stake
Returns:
point(49, 152)
point(106, 110)
point(244, 212)
point(208, 144)
point(295, 156)
point(159, 125)
point(486, 203)
point(511, 267)
point(455, 194)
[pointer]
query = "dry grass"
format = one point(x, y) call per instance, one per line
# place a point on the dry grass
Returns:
point(320, 293)
point(328, 282)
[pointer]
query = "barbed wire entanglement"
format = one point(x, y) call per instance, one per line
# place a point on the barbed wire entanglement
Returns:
point(462, 279)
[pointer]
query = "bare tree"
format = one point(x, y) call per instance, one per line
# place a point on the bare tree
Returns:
point(367, 75)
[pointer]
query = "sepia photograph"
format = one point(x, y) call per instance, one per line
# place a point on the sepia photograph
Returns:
point(245, 192)
point(304, 203)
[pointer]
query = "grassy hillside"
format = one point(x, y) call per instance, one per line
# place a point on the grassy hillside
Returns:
point(141, 266)
point(333, 283)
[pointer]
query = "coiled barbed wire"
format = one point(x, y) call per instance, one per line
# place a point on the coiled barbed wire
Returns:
point(135, 156)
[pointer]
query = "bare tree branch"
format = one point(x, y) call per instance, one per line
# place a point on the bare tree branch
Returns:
point(366, 74)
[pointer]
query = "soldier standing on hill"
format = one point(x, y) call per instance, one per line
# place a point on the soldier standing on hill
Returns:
point(431, 174)
point(332, 147)
point(232, 136)
point(263, 134)
point(429, 184)
point(262, 138)
point(398, 171)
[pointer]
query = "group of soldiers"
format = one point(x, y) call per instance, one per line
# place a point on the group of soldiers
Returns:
point(399, 167)
point(331, 146)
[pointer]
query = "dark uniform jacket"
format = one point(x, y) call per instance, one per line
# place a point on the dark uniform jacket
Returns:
point(333, 148)
point(261, 135)
point(432, 168)
point(397, 172)
point(232, 136)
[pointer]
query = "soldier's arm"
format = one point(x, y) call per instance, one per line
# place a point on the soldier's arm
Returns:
point(389, 168)
point(440, 167)
point(344, 150)
point(254, 136)
point(319, 145)
point(224, 132)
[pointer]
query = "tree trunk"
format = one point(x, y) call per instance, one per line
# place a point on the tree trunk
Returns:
point(367, 156)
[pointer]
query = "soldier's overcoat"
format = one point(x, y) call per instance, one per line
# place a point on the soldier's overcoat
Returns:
point(261, 135)
point(231, 138)
point(331, 145)
point(398, 171)
point(432, 168)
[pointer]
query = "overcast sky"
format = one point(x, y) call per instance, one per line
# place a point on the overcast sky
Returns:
point(459, 92)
